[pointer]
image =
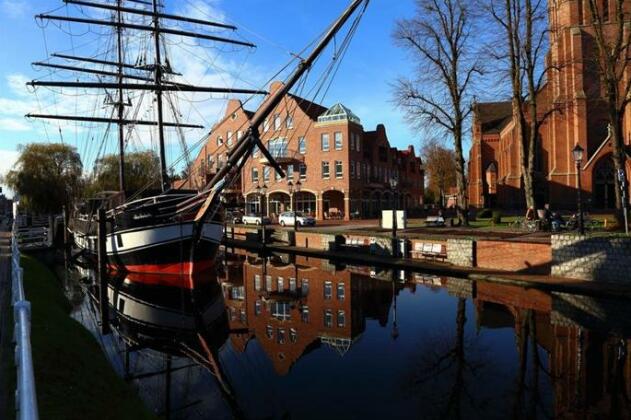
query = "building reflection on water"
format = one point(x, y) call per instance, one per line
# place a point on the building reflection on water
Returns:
point(231, 345)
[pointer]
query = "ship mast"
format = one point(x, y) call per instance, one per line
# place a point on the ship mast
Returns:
point(164, 178)
point(121, 104)
point(118, 69)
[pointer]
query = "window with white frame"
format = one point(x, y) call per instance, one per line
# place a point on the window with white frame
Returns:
point(290, 172)
point(338, 140)
point(266, 172)
point(304, 314)
point(302, 145)
point(219, 140)
point(280, 336)
point(304, 287)
point(339, 173)
point(289, 122)
point(268, 283)
point(280, 284)
point(266, 125)
point(341, 291)
point(255, 175)
point(292, 284)
point(277, 122)
point(325, 170)
point(328, 290)
point(303, 171)
point(328, 318)
point(269, 332)
point(324, 142)
point(293, 335)
point(341, 319)
point(258, 308)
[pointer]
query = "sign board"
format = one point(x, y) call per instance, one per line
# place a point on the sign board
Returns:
point(387, 217)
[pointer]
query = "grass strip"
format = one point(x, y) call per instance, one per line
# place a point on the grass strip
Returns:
point(73, 378)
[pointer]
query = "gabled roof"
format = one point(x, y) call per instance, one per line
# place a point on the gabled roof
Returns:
point(493, 116)
point(312, 109)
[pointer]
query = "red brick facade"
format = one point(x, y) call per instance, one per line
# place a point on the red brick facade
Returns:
point(579, 117)
point(344, 171)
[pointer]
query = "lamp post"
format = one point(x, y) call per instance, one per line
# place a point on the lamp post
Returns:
point(395, 327)
point(261, 191)
point(577, 153)
point(395, 248)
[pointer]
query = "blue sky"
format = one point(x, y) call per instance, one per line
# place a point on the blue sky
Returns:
point(276, 26)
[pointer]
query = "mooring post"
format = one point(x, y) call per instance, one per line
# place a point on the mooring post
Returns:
point(102, 262)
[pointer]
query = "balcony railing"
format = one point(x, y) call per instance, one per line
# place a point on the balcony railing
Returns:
point(284, 156)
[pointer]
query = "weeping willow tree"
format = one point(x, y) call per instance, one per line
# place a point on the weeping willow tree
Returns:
point(46, 176)
point(141, 170)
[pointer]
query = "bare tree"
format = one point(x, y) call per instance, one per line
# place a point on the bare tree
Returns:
point(525, 32)
point(440, 165)
point(613, 56)
point(438, 39)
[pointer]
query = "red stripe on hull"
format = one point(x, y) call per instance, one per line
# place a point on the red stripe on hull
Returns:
point(182, 275)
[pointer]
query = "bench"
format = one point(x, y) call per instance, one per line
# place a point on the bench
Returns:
point(354, 244)
point(435, 221)
point(429, 250)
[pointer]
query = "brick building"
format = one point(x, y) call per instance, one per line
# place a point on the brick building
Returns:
point(572, 96)
point(343, 170)
point(290, 307)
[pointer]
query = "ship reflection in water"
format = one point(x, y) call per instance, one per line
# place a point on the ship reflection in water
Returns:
point(291, 337)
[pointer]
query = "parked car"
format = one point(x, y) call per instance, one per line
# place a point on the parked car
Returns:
point(287, 219)
point(255, 219)
point(234, 216)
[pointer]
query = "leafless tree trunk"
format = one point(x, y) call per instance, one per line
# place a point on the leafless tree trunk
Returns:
point(524, 25)
point(438, 40)
point(613, 56)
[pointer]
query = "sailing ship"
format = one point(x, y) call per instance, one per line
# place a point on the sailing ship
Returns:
point(162, 230)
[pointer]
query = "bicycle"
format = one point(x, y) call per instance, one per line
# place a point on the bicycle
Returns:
point(527, 225)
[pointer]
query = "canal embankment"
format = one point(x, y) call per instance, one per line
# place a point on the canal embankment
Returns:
point(73, 378)
point(521, 262)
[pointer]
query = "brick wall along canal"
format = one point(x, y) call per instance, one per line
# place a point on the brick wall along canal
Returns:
point(290, 337)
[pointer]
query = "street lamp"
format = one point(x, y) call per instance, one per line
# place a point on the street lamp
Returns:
point(577, 153)
point(395, 249)
point(395, 327)
point(261, 191)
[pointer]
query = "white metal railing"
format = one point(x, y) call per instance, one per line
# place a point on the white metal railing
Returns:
point(25, 396)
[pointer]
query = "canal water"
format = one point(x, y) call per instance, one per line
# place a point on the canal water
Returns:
point(279, 337)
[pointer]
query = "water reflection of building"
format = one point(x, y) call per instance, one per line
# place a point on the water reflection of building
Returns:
point(292, 308)
point(588, 365)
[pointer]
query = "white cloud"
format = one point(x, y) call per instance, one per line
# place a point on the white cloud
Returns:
point(13, 124)
point(14, 8)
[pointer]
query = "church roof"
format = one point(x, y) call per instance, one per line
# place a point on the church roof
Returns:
point(493, 116)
